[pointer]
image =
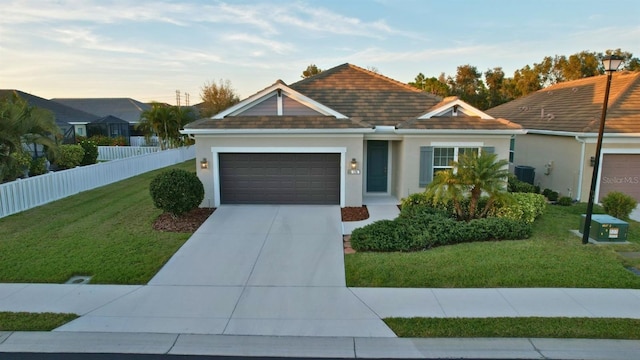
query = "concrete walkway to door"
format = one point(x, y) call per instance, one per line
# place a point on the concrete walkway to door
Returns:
point(248, 270)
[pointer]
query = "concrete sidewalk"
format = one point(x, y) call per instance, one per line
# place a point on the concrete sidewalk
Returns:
point(318, 347)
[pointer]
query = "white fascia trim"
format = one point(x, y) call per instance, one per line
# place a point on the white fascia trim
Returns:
point(271, 91)
point(460, 132)
point(469, 109)
point(274, 131)
point(457, 144)
point(582, 134)
point(335, 150)
point(78, 122)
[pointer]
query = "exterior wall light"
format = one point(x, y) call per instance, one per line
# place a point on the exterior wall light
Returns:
point(353, 167)
point(204, 163)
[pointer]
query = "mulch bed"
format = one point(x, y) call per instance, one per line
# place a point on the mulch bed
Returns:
point(354, 213)
point(187, 222)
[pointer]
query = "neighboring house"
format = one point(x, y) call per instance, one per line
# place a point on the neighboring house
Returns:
point(109, 126)
point(340, 137)
point(122, 108)
point(65, 116)
point(562, 123)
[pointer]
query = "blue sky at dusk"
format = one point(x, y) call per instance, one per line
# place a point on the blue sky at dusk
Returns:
point(148, 49)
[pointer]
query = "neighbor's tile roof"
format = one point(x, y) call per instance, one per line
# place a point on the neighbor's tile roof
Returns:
point(366, 96)
point(124, 108)
point(63, 114)
point(576, 106)
point(277, 122)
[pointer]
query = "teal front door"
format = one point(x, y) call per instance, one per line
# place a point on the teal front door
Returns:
point(377, 162)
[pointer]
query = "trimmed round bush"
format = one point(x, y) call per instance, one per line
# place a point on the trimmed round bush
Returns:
point(176, 191)
point(618, 204)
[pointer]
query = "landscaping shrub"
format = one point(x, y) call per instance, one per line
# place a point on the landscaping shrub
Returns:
point(176, 191)
point(618, 204)
point(38, 166)
point(515, 185)
point(525, 207)
point(69, 156)
point(90, 152)
point(550, 194)
point(565, 201)
point(421, 227)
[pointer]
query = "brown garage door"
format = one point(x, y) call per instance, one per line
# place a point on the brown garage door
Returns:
point(620, 172)
point(279, 178)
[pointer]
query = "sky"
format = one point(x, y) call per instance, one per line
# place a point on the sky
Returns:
point(147, 50)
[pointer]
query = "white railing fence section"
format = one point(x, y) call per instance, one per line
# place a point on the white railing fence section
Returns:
point(141, 141)
point(24, 194)
point(106, 153)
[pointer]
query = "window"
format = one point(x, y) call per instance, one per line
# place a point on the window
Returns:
point(435, 159)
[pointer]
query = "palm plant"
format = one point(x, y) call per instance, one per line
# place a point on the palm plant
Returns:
point(166, 122)
point(470, 177)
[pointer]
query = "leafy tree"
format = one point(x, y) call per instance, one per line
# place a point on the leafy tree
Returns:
point(496, 87)
point(471, 176)
point(217, 97)
point(22, 124)
point(431, 85)
point(311, 70)
point(468, 86)
point(165, 121)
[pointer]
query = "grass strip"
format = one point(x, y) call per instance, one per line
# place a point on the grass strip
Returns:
point(23, 321)
point(527, 327)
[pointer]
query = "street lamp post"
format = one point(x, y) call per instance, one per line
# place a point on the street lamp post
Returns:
point(611, 64)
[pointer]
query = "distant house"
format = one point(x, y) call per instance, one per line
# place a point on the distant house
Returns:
point(125, 109)
point(109, 126)
point(65, 116)
point(345, 136)
point(562, 123)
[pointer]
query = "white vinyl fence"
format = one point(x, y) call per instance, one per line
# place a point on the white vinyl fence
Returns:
point(120, 152)
point(24, 194)
point(141, 141)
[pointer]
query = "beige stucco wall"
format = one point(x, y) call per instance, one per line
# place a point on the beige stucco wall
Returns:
point(352, 143)
point(561, 152)
point(410, 152)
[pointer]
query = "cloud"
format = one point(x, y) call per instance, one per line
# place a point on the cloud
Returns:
point(254, 40)
point(86, 39)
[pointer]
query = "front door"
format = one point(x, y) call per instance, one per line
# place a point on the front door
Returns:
point(377, 162)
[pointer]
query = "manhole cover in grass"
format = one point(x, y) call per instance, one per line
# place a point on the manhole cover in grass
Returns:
point(630, 255)
point(79, 279)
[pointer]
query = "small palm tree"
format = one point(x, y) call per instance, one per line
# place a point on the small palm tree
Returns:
point(470, 177)
point(166, 122)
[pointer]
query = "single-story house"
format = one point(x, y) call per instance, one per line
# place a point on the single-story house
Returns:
point(109, 126)
point(562, 123)
point(122, 108)
point(341, 137)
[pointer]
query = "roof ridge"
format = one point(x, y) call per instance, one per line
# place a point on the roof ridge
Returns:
point(383, 77)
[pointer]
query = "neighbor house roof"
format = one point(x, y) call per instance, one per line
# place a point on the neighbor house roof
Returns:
point(63, 113)
point(576, 106)
point(110, 119)
point(124, 108)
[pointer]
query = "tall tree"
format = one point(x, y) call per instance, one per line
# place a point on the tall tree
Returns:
point(496, 89)
point(431, 85)
point(217, 97)
point(468, 86)
point(311, 70)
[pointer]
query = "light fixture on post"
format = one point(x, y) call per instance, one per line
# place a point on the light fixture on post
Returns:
point(353, 167)
point(204, 163)
point(611, 64)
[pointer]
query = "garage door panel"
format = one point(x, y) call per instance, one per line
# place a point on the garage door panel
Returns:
point(279, 178)
point(620, 172)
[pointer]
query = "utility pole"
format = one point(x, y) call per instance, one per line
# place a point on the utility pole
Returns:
point(186, 98)
point(177, 97)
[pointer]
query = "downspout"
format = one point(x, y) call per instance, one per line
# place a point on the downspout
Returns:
point(583, 147)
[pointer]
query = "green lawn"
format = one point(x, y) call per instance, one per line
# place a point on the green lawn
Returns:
point(33, 321)
point(531, 327)
point(552, 257)
point(104, 232)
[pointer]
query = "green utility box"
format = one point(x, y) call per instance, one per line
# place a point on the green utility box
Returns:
point(606, 228)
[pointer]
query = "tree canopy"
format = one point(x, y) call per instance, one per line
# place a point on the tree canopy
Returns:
point(497, 88)
point(216, 97)
point(166, 121)
point(311, 70)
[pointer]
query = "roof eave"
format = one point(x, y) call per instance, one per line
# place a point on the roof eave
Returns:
point(461, 131)
point(274, 131)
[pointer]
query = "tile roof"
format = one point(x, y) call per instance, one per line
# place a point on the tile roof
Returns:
point(124, 108)
point(576, 106)
point(63, 114)
point(366, 96)
point(277, 122)
point(459, 123)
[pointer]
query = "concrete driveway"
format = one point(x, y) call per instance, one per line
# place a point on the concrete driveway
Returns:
point(248, 270)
